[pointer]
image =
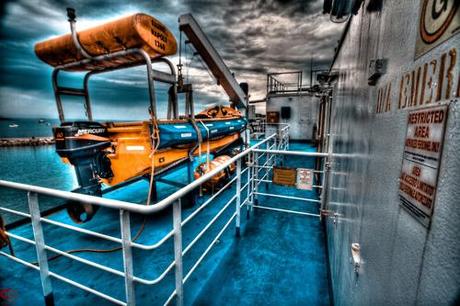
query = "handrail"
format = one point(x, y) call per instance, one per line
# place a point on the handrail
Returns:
point(82, 198)
point(297, 153)
point(136, 208)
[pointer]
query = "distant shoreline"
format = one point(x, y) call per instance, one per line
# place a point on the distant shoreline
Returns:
point(26, 141)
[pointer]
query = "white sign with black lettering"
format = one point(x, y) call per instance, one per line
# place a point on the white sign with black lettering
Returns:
point(304, 179)
point(422, 154)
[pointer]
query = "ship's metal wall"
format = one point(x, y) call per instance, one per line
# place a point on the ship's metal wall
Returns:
point(404, 263)
point(304, 113)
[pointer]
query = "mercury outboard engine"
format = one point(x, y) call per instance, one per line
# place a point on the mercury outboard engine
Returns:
point(83, 143)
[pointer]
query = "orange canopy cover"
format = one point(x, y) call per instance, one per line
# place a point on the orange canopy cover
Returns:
point(137, 31)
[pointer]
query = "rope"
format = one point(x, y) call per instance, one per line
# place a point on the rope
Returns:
point(4, 239)
point(207, 145)
point(156, 141)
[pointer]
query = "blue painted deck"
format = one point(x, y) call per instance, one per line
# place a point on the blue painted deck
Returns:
point(278, 260)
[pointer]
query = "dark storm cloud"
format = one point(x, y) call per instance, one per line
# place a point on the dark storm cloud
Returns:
point(253, 37)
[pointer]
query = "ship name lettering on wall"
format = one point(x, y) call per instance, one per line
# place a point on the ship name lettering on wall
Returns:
point(435, 80)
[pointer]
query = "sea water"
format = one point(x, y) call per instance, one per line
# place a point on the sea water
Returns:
point(31, 165)
point(27, 127)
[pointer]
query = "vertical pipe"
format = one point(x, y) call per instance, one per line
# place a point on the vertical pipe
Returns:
point(191, 105)
point(238, 196)
point(170, 104)
point(89, 111)
point(84, 53)
point(323, 189)
point(74, 35)
point(175, 103)
point(325, 194)
point(328, 122)
point(192, 199)
point(151, 85)
point(125, 226)
point(177, 220)
point(300, 81)
point(275, 140)
point(268, 83)
point(187, 105)
point(42, 259)
point(287, 138)
point(57, 96)
point(248, 138)
point(174, 86)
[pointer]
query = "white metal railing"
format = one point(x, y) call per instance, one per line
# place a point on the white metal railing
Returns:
point(260, 128)
point(261, 157)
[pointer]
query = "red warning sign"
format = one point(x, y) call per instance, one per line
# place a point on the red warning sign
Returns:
point(422, 154)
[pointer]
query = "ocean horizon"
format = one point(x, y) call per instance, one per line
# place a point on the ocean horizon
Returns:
point(26, 127)
point(35, 127)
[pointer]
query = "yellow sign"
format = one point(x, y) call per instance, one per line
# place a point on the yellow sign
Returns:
point(284, 176)
point(438, 21)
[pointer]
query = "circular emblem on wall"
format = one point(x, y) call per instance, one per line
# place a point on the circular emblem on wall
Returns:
point(439, 20)
point(436, 17)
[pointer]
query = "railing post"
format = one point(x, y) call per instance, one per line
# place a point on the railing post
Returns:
point(276, 138)
point(267, 164)
point(287, 138)
point(275, 143)
point(253, 163)
point(238, 196)
point(325, 185)
point(282, 140)
point(125, 225)
point(177, 220)
point(249, 189)
point(42, 259)
point(255, 177)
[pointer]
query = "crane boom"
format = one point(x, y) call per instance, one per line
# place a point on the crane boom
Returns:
point(215, 63)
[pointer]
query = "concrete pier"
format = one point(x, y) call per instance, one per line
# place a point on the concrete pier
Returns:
point(29, 141)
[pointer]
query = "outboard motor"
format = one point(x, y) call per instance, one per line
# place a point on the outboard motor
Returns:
point(83, 143)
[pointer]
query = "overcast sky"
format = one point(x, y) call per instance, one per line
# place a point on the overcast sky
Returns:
point(253, 37)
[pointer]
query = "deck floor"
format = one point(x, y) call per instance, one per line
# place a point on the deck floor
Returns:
point(278, 260)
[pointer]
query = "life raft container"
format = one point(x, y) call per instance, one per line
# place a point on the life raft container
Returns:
point(220, 177)
point(219, 111)
point(137, 31)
